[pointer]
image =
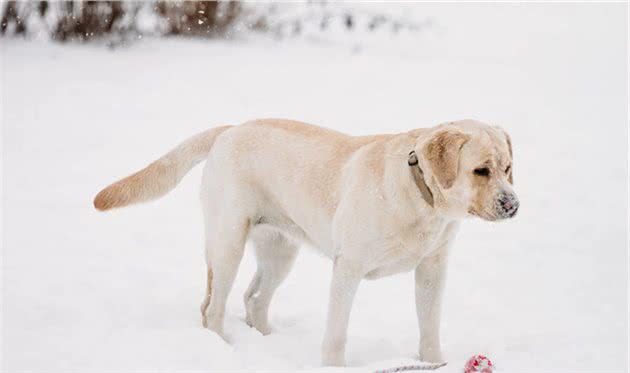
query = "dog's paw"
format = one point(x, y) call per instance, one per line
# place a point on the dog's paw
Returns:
point(227, 339)
point(249, 320)
point(431, 355)
point(333, 357)
point(263, 328)
point(255, 317)
point(333, 362)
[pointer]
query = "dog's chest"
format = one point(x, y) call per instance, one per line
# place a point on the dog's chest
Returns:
point(403, 252)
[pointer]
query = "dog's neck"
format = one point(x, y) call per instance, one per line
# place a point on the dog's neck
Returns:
point(419, 179)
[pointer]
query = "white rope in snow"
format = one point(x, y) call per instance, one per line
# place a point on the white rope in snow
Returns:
point(432, 366)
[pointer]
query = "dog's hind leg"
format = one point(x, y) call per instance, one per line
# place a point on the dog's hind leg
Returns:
point(225, 251)
point(206, 299)
point(275, 255)
point(208, 247)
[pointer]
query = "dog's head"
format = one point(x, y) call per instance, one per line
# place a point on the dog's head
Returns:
point(466, 169)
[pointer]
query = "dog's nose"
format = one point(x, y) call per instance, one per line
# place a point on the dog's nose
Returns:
point(509, 205)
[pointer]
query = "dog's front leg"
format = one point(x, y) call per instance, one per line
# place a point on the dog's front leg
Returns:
point(345, 281)
point(430, 278)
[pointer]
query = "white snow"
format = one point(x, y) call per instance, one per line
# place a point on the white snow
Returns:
point(120, 291)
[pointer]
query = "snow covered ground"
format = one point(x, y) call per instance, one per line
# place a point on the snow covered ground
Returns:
point(546, 292)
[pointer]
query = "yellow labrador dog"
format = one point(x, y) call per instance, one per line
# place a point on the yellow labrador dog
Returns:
point(375, 205)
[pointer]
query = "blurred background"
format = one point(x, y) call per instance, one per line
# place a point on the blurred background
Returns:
point(121, 21)
point(92, 91)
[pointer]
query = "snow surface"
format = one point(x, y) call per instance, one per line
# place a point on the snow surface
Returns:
point(546, 292)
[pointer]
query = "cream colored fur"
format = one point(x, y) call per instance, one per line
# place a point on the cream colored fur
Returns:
point(279, 182)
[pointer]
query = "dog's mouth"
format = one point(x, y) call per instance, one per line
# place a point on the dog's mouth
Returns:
point(485, 216)
point(499, 215)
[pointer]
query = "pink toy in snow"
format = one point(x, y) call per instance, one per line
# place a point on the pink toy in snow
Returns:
point(479, 363)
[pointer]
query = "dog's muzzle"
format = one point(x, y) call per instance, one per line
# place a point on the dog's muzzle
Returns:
point(507, 205)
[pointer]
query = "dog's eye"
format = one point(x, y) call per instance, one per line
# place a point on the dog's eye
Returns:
point(484, 171)
point(507, 169)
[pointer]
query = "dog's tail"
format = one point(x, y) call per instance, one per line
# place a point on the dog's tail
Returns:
point(161, 176)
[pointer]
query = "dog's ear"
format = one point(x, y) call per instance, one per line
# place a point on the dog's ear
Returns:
point(442, 154)
point(508, 140)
